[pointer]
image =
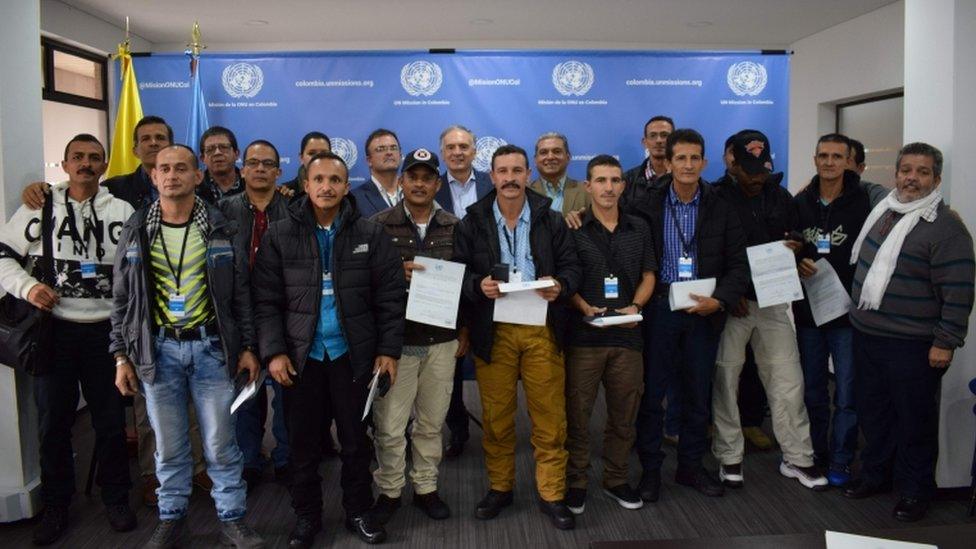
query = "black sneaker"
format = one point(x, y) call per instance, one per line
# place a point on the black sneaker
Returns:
point(366, 528)
point(626, 497)
point(384, 508)
point(240, 535)
point(54, 521)
point(303, 534)
point(432, 504)
point(120, 517)
point(168, 534)
point(576, 500)
point(650, 486)
point(492, 504)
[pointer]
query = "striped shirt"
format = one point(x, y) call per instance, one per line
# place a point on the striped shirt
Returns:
point(678, 214)
point(192, 271)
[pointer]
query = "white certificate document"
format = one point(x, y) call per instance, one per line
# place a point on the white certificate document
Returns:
point(604, 321)
point(521, 308)
point(373, 389)
point(839, 540)
point(435, 292)
point(508, 287)
point(774, 275)
point(827, 296)
point(679, 293)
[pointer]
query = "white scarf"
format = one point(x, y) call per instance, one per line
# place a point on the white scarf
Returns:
point(879, 275)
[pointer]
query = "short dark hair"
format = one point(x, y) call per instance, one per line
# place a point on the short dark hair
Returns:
point(509, 149)
point(310, 136)
point(835, 138)
point(196, 159)
point(266, 143)
point(152, 119)
point(658, 118)
point(376, 134)
point(602, 160)
point(923, 149)
point(683, 135)
point(857, 149)
point(326, 156)
point(218, 130)
point(84, 138)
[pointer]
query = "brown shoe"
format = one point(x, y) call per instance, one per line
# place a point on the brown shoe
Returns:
point(202, 481)
point(149, 485)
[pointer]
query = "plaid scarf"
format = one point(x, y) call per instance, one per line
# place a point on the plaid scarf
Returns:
point(154, 218)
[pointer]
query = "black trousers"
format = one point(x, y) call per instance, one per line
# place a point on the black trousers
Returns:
point(81, 356)
point(326, 389)
point(752, 396)
point(457, 414)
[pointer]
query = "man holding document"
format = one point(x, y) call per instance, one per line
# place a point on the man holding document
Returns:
point(329, 305)
point(768, 216)
point(511, 239)
point(417, 226)
point(616, 253)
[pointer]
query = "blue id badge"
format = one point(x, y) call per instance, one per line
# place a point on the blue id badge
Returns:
point(611, 289)
point(177, 305)
point(327, 288)
point(823, 244)
point(685, 268)
point(87, 268)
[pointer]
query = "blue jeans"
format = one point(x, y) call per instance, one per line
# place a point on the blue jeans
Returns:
point(250, 428)
point(185, 370)
point(681, 350)
point(815, 345)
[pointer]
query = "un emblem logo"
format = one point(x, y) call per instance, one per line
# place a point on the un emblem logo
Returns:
point(242, 79)
point(572, 78)
point(486, 147)
point(346, 150)
point(421, 78)
point(746, 78)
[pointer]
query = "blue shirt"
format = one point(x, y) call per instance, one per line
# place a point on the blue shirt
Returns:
point(556, 193)
point(686, 216)
point(462, 194)
point(328, 333)
point(515, 247)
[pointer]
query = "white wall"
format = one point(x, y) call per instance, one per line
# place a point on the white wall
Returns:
point(78, 28)
point(856, 59)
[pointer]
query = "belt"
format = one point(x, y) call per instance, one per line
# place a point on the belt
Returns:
point(189, 334)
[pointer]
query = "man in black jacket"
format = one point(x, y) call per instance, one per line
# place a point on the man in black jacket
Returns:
point(218, 151)
point(312, 144)
point(649, 172)
point(152, 134)
point(767, 215)
point(511, 233)
point(330, 300)
point(696, 236)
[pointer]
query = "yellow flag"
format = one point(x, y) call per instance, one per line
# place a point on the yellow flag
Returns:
point(122, 160)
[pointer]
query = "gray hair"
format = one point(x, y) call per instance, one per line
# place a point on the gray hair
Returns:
point(552, 135)
point(923, 149)
point(457, 127)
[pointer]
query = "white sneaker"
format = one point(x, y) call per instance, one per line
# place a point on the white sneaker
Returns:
point(808, 476)
point(731, 475)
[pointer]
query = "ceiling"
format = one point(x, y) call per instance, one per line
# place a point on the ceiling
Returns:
point(385, 24)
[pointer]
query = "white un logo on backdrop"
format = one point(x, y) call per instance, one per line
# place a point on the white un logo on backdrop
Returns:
point(746, 78)
point(242, 79)
point(421, 78)
point(572, 78)
point(346, 150)
point(485, 147)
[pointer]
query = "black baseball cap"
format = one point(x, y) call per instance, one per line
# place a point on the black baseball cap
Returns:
point(421, 157)
point(750, 148)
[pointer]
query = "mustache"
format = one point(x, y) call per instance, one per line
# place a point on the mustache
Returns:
point(87, 171)
point(511, 185)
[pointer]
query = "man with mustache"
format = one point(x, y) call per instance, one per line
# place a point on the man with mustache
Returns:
point(551, 160)
point(516, 231)
point(330, 300)
point(656, 132)
point(383, 158)
point(84, 232)
point(461, 186)
point(218, 151)
point(417, 226)
point(616, 253)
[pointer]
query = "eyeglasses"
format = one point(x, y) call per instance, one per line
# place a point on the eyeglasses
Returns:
point(222, 147)
point(386, 148)
point(254, 163)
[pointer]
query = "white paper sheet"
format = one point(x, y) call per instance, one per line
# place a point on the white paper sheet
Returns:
point(508, 287)
point(373, 387)
point(435, 292)
point(603, 321)
point(248, 391)
point(826, 293)
point(521, 308)
point(839, 540)
point(774, 275)
point(679, 295)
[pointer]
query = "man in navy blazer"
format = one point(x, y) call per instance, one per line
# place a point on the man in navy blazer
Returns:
point(382, 190)
point(461, 186)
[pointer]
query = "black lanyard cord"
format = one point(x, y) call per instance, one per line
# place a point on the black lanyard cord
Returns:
point(177, 272)
point(685, 243)
point(90, 226)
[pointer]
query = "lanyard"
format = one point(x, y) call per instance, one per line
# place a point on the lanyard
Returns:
point(178, 272)
point(512, 242)
point(825, 210)
point(685, 243)
point(89, 225)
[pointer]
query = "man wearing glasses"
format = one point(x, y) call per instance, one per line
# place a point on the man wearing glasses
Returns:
point(383, 158)
point(218, 151)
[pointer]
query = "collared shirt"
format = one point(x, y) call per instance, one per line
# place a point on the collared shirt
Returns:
point(678, 214)
point(515, 247)
point(422, 227)
point(462, 194)
point(329, 341)
point(555, 192)
point(390, 199)
point(649, 172)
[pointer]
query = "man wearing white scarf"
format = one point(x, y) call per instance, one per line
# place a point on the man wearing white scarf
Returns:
point(913, 288)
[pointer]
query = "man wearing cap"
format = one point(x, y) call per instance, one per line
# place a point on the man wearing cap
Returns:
point(417, 226)
point(767, 214)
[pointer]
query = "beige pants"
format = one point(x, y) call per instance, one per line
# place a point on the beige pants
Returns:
point(146, 439)
point(423, 386)
point(778, 360)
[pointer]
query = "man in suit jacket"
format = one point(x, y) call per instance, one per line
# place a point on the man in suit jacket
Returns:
point(383, 159)
point(461, 186)
point(551, 161)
